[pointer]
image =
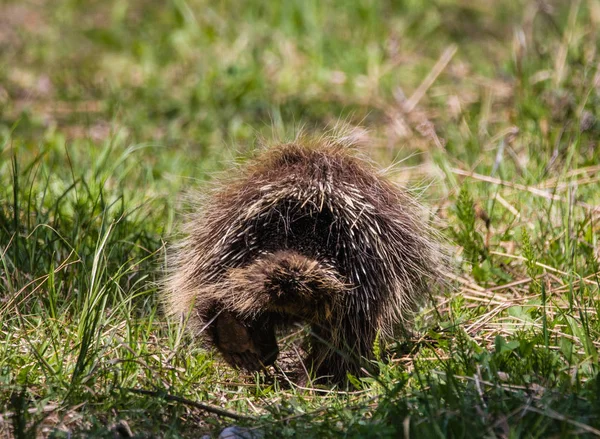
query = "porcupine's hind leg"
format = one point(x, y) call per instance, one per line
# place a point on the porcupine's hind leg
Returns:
point(244, 343)
point(336, 350)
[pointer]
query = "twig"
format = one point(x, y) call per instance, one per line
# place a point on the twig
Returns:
point(207, 408)
point(520, 187)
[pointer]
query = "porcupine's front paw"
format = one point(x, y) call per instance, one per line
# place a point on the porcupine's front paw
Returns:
point(249, 345)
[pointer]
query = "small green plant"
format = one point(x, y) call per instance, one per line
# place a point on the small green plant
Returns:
point(468, 237)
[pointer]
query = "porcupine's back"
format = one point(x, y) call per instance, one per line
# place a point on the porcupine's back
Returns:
point(316, 203)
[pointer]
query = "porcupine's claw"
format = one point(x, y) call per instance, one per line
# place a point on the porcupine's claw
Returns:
point(246, 345)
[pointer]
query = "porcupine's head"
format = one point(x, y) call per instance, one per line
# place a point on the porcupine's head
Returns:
point(305, 232)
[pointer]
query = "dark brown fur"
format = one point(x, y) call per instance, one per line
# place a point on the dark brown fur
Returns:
point(306, 233)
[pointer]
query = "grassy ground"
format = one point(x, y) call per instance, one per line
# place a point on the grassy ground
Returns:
point(110, 110)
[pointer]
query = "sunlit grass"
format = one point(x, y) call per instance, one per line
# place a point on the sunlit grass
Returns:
point(111, 111)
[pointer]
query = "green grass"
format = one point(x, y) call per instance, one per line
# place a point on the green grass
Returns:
point(111, 110)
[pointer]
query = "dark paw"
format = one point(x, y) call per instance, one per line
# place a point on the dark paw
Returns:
point(245, 344)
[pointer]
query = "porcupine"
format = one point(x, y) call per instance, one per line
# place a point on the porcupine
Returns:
point(306, 232)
